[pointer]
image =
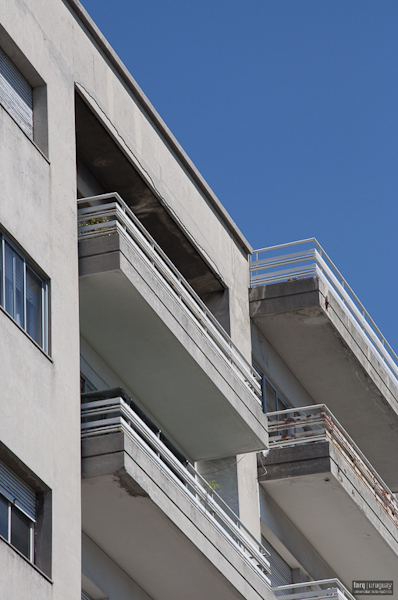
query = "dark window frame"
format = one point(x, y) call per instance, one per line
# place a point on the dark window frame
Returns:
point(41, 558)
point(37, 330)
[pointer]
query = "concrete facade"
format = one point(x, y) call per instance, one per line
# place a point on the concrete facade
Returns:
point(158, 479)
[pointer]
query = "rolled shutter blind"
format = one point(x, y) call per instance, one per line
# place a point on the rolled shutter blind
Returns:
point(17, 492)
point(281, 573)
point(16, 94)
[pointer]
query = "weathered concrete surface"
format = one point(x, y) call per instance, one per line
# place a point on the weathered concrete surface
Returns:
point(114, 172)
point(290, 541)
point(142, 331)
point(111, 580)
point(156, 530)
point(18, 579)
point(326, 498)
point(39, 408)
point(330, 358)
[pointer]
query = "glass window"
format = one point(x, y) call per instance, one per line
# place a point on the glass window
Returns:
point(270, 397)
point(20, 531)
point(14, 275)
point(23, 294)
point(85, 385)
point(3, 517)
point(34, 306)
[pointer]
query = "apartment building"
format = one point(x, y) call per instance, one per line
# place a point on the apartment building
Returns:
point(234, 434)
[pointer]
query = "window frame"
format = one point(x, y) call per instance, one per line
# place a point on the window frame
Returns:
point(16, 94)
point(86, 385)
point(39, 137)
point(280, 400)
point(44, 341)
point(27, 493)
point(10, 507)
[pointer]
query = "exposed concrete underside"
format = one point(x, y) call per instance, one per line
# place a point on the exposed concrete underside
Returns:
point(322, 495)
point(111, 168)
point(135, 512)
point(141, 330)
point(325, 351)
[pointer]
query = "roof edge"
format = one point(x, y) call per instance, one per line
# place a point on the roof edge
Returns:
point(128, 79)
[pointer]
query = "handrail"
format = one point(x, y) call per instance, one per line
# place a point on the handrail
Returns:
point(107, 214)
point(265, 269)
point(111, 415)
point(301, 425)
point(332, 587)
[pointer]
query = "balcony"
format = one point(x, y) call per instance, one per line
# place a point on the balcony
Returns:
point(152, 329)
point(330, 491)
point(304, 307)
point(327, 589)
point(155, 516)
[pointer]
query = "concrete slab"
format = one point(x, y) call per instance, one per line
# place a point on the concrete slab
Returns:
point(144, 333)
point(322, 494)
point(135, 511)
point(325, 350)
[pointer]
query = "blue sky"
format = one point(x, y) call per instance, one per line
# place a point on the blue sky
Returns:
point(289, 108)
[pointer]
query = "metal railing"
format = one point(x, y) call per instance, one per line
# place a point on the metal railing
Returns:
point(108, 214)
point(325, 589)
point(110, 415)
point(296, 426)
point(277, 264)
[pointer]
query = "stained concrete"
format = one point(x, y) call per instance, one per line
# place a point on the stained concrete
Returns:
point(327, 353)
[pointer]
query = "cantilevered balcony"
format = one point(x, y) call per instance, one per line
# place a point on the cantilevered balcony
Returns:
point(327, 589)
point(307, 311)
point(152, 329)
point(329, 490)
point(148, 509)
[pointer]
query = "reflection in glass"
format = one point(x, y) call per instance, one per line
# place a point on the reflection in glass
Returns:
point(14, 285)
point(3, 517)
point(20, 531)
point(33, 306)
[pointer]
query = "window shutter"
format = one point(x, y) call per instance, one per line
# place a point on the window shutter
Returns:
point(17, 492)
point(281, 573)
point(16, 94)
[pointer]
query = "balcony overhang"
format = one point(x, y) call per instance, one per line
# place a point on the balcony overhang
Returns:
point(324, 347)
point(327, 497)
point(150, 328)
point(145, 510)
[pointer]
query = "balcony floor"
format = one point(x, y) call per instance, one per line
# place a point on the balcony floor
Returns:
point(135, 512)
point(151, 341)
point(336, 511)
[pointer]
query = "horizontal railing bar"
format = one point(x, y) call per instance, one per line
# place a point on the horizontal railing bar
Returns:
point(187, 473)
point(112, 405)
point(173, 277)
point(333, 277)
point(330, 429)
point(286, 273)
point(266, 263)
point(372, 331)
point(336, 583)
point(296, 243)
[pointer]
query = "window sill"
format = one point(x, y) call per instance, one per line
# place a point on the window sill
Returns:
point(27, 334)
point(26, 135)
point(26, 560)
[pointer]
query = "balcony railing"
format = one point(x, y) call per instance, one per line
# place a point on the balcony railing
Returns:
point(278, 263)
point(316, 423)
point(326, 589)
point(120, 414)
point(107, 214)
